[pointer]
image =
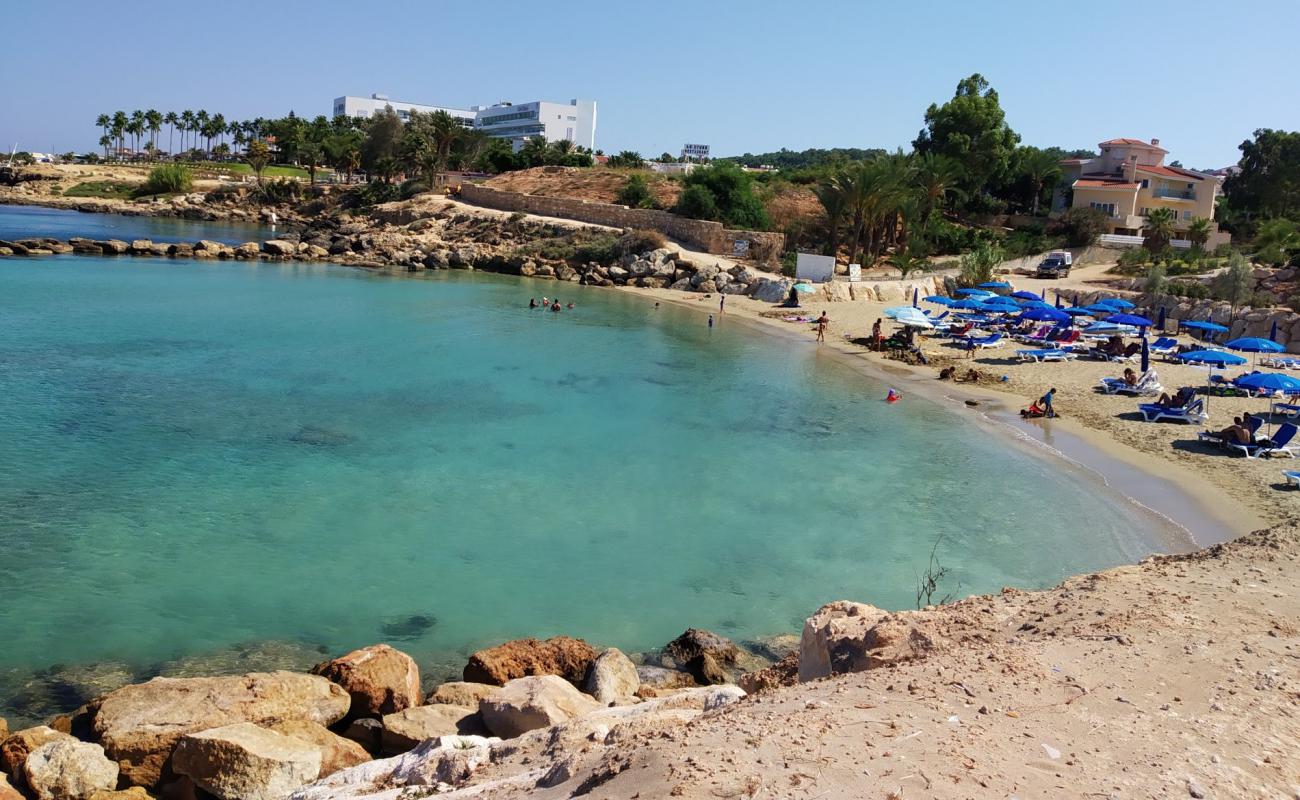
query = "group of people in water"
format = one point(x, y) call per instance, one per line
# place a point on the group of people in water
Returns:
point(551, 303)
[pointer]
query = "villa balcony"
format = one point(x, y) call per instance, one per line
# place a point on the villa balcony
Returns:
point(1174, 194)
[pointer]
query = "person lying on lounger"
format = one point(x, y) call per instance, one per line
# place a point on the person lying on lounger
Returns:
point(1236, 433)
point(1181, 398)
point(1130, 377)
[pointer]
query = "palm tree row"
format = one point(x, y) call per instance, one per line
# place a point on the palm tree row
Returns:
point(880, 202)
point(194, 128)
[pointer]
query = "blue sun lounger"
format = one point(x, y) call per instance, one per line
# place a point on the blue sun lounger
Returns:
point(1279, 445)
point(1050, 354)
point(1192, 412)
point(1292, 477)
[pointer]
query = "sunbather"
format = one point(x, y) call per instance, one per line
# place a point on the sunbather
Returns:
point(1130, 377)
point(1179, 399)
point(1236, 433)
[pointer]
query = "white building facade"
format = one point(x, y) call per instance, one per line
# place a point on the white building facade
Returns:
point(574, 121)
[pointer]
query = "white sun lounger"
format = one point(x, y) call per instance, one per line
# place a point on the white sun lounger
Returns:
point(1148, 384)
point(1052, 354)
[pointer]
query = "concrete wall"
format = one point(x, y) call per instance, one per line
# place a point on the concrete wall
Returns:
point(701, 234)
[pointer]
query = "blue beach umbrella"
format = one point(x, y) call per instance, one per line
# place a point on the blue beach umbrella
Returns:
point(940, 300)
point(805, 288)
point(1218, 358)
point(1270, 382)
point(1115, 302)
point(995, 285)
point(1026, 304)
point(975, 292)
point(1208, 327)
point(1022, 295)
point(1251, 344)
point(1002, 304)
point(1099, 308)
point(968, 305)
point(1129, 319)
point(1047, 314)
point(1076, 311)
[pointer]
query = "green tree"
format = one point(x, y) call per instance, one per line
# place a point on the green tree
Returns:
point(636, 193)
point(1081, 226)
point(534, 152)
point(1041, 168)
point(1159, 229)
point(105, 142)
point(628, 159)
point(258, 156)
point(310, 156)
point(103, 121)
point(1268, 181)
point(172, 119)
point(1236, 283)
point(697, 202)
point(1277, 241)
point(1198, 232)
point(971, 129)
point(733, 196)
point(938, 178)
point(120, 120)
point(835, 206)
point(1155, 281)
point(977, 266)
point(154, 122)
point(187, 125)
point(383, 140)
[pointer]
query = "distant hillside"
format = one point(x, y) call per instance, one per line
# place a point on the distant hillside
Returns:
point(803, 159)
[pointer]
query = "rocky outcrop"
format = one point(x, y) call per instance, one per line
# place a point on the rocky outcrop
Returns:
point(140, 725)
point(445, 762)
point(525, 704)
point(851, 637)
point(245, 762)
point(379, 679)
point(561, 655)
point(460, 693)
point(612, 678)
point(280, 247)
point(783, 673)
point(406, 729)
point(695, 642)
point(66, 769)
point(336, 752)
point(18, 745)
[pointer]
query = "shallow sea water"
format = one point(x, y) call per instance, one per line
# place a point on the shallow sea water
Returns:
point(194, 455)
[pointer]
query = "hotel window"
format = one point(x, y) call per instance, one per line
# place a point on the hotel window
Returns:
point(1145, 183)
point(1187, 215)
point(1108, 208)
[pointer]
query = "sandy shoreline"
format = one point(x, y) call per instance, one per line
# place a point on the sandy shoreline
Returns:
point(1209, 502)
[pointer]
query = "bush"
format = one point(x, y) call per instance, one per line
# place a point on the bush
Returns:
point(636, 193)
point(977, 265)
point(790, 264)
point(722, 192)
point(168, 179)
point(1189, 289)
point(1081, 226)
point(697, 202)
point(285, 190)
point(942, 238)
point(602, 248)
point(371, 194)
point(411, 188)
point(1155, 282)
point(640, 241)
point(1262, 300)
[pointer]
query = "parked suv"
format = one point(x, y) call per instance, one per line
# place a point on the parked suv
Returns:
point(1056, 265)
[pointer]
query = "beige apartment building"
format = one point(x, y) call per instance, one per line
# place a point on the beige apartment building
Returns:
point(1129, 179)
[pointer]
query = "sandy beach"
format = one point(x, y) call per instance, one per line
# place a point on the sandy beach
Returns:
point(1240, 493)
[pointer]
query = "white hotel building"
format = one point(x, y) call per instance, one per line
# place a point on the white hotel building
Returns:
point(518, 122)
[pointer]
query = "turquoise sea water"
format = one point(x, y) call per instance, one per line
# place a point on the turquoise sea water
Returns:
point(21, 222)
point(199, 454)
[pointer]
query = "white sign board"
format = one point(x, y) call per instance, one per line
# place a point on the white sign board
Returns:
point(695, 152)
point(855, 273)
point(814, 267)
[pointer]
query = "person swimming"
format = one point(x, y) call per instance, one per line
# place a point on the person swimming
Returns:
point(532, 302)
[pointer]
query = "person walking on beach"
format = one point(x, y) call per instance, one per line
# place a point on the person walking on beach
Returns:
point(877, 338)
point(822, 322)
point(722, 304)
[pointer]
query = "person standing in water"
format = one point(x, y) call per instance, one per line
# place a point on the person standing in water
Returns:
point(822, 322)
point(710, 322)
point(722, 304)
point(532, 302)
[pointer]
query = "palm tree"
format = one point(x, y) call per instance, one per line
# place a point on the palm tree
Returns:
point(534, 151)
point(907, 262)
point(310, 155)
point(444, 130)
point(1159, 229)
point(187, 124)
point(120, 120)
point(218, 127)
point(834, 204)
point(104, 142)
point(201, 122)
point(1198, 231)
point(937, 176)
point(137, 128)
point(171, 119)
point(154, 120)
point(102, 122)
point(1041, 167)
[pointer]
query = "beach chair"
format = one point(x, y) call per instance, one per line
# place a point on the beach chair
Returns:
point(1037, 336)
point(1147, 385)
point(1049, 354)
point(1279, 445)
point(1164, 346)
point(1288, 410)
point(961, 330)
point(983, 342)
point(1192, 412)
point(1292, 477)
point(1281, 362)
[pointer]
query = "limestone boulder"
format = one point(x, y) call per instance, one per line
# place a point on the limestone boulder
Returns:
point(366, 732)
point(406, 729)
point(114, 247)
point(706, 670)
point(569, 658)
point(612, 678)
point(852, 637)
point(449, 760)
point(772, 290)
point(380, 680)
point(279, 247)
point(245, 762)
point(7, 790)
point(67, 769)
point(248, 250)
point(140, 725)
point(15, 747)
point(141, 247)
point(134, 793)
point(460, 693)
point(336, 752)
point(539, 701)
point(661, 679)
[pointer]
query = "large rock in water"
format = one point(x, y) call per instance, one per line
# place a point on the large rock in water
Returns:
point(18, 745)
point(336, 753)
point(613, 678)
point(526, 704)
point(139, 725)
point(66, 769)
point(280, 247)
point(379, 679)
point(852, 637)
point(560, 655)
point(694, 643)
point(245, 762)
point(406, 729)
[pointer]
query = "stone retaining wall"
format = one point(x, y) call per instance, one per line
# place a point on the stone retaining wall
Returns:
point(711, 237)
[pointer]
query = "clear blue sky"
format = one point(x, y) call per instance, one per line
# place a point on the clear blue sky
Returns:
point(741, 76)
